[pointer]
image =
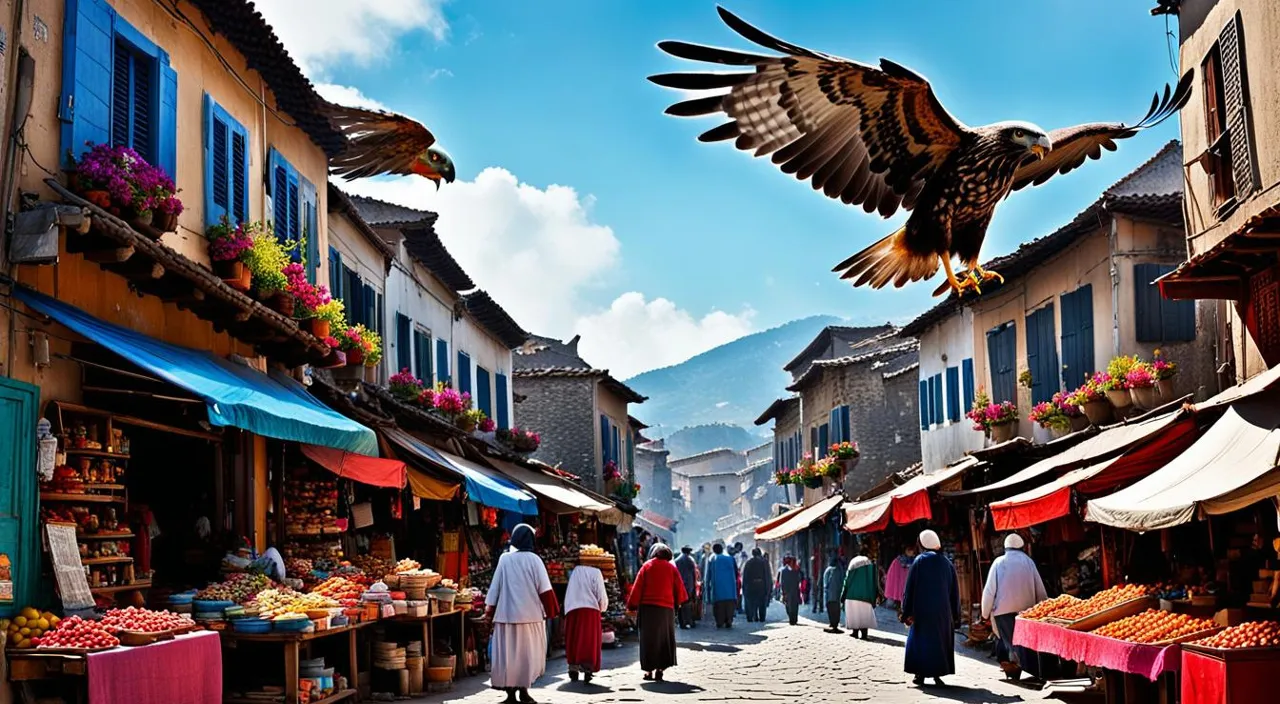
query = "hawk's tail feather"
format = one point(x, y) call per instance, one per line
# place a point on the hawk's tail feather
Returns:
point(888, 260)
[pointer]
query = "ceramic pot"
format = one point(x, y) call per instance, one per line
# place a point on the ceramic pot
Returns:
point(1080, 422)
point(143, 219)
point(1120, 399)
point(1058, 432)
point(281, 302)
point(318, 327)
point(355, 357)
point(1166, 389)
point(1145, 398)
point(1097, 412)
point(165, 222)
point(1003, 432)
point(229, 270)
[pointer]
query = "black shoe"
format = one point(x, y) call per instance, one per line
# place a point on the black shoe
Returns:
point(525, 698)
point(511, 697)
point(938, 681)
point(918, 681)
point(573, 675)
point(587, 677)
point(657, 675)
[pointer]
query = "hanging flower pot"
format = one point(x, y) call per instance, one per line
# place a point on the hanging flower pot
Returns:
point(229, 270)
point(1120, 398)
point(317, 327)
point(165, 222)
point(848, 465)
point(1002, 432)
point(1097, 412)
point(1165, 387)
point(1145, 398)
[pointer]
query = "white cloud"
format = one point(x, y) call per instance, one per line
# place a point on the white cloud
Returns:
point(540, 254)
point(347, 95)
point(319, 33)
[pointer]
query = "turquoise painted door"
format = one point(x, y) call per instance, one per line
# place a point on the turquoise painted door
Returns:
point(19, 508)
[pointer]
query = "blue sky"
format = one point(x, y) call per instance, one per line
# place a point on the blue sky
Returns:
point(554, 92)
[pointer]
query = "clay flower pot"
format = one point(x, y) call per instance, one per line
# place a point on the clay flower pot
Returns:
point(1003, 432)
point(355, 357)
point(1097, 412)
point(165, 222)
point(1145, 398)
point(281, 302)
point(1166, 389)
point(1081, 422)
point(1120, 399)
point(318, 327)
point(229, 270)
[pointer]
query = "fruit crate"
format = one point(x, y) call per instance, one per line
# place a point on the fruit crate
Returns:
point(1228, 676)
point(1115, 613)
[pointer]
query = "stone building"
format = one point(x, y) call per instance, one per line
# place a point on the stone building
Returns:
point(580, 411)
point(708, 483)
point(653, 474)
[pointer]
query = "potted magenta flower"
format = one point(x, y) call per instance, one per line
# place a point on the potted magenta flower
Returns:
point(120, 181)
point(1164, 371)
point(997, 420)
point(308, 299)
point(1091, 397)
point(1066, 403)
point(361, 345)
point(782, 477)
point(405, 386)
point(1118, 373)
point(487, 426)
point(1049, 415)
point(1141, 380)
point(451, 403)
point(227, 245)
point(523, 441)
point(470, 419)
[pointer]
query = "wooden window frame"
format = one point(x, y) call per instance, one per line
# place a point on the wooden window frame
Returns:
point(1218, 157)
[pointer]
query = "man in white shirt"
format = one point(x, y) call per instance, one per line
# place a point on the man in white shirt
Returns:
point(1013, 585)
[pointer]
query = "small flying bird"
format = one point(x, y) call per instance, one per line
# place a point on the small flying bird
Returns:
point(878, 137)
point(386, 143)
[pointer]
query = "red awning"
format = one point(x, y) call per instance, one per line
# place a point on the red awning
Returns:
point(904, 504)
point(373, 471)
point(1053, 500)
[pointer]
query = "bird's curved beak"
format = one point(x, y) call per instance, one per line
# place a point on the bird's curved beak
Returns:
point(1042, 147)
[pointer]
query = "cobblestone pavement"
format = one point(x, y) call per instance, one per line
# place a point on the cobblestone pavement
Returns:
point(771, 662)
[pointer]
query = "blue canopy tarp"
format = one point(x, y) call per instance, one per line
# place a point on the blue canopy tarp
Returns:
point(235, 395)
point(483, 485)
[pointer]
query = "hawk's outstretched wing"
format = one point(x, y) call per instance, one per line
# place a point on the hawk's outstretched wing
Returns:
point(377, 142)
point(1072, 145)
point(865, 135)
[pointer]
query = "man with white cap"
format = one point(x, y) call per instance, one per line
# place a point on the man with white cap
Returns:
point(1013, 585)
point(931, 609)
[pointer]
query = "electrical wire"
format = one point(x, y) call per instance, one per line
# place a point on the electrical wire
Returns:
point(1168, 40)
point(18, 139)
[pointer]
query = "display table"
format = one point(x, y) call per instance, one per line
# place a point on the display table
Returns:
point(430, 624)
point(1149, 661)
point(1213, 676)
point(185, 670)
point(293, 645)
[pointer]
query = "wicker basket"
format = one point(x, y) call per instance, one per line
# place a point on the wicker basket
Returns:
point(392, 581)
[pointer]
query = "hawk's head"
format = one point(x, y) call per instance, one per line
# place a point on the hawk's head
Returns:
point(435, 165)
point(1024, 137)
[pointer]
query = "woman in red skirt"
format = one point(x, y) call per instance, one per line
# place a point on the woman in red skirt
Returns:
point(584, 600)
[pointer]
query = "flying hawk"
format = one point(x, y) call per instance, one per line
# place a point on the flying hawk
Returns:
point(385, 143)
point(878, 137)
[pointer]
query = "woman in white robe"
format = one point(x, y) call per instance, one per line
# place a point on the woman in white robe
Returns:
point(519, 602)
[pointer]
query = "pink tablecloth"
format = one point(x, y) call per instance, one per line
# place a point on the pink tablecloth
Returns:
point(185, 670)
point(1150, 661)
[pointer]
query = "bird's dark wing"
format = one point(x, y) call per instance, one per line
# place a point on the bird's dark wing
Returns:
point(1072, 145)
point(377, 142)
point(865, 135)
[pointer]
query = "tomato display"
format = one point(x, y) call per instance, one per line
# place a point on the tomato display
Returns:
point(1255, 634)
point(144, 620)
point(75, 632)
point(1154, 626)
point(1102, 601)
point(1048, 607)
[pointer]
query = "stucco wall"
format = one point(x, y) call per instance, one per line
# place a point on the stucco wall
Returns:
point(560, 410)
point(608, 404)
point(947, 344)
point(708, 497)
point(654, 477)
point(1201, 23)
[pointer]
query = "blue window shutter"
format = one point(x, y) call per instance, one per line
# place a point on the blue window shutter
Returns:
point(1158, 319)
point(953, 394)
point(88, 45)
point(605, 446)
point(370, 302)
point(1042, 355)
point(295, 226)
point(616, 452)
point(824, 440)
point(500, 400)
point(846, 427)
point(464, 373)
point(483, 394)
point(1077, 336)
point(355, 299)
point(924, 404)
point(813, 441)
point(167, 124)
point(442, 361)
point(404, 329)
point(1002, 350)
point(309, 224)
point(833, 422)
point(966, 368)
point(239, 174)
point(422, 356)
point(937, 399)
point(335, 273)
point(215, 164)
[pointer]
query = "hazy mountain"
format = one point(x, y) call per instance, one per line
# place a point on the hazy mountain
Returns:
point(731, 384)
point(701, 438)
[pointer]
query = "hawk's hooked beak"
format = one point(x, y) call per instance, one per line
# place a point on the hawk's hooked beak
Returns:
point(1042, 147)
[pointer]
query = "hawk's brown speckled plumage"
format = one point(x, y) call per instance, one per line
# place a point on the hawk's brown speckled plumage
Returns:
point(878, 137)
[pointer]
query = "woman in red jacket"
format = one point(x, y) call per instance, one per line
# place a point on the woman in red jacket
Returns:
point(657, 592)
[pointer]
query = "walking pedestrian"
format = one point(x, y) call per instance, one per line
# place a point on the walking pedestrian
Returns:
point(896, 579)
point(657, 591)
point(861, 590)
point(740, 561)
point(931, 610)
point(688, 569)
point(757, 583)
point(720, 585)
point(832, 587)
point(1013, 585)
point(584, 600)
point(789, 579)
point(519, 602)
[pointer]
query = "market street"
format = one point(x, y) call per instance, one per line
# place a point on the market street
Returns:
point(772, 662)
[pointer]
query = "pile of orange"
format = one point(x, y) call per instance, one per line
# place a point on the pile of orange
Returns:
point(1048, 607)
point(1255, 634)
point(1153, 626)
point(1102, 601)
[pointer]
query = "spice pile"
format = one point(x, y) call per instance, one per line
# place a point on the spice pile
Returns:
point(1154, 626)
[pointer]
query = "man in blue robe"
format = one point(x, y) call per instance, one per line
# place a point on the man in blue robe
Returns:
point(931, 608)
point(720, 585)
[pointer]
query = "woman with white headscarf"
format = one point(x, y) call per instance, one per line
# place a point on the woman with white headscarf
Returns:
point(861, 590)
point(654, 596)
point(931, 608)
point(519, 602)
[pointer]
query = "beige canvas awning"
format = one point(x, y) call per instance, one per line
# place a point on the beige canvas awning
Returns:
point(799, 519)
point(1230, 467)
point(559, 496)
